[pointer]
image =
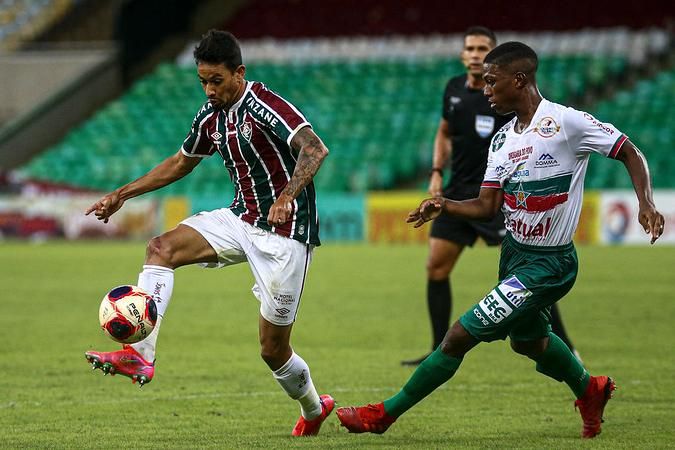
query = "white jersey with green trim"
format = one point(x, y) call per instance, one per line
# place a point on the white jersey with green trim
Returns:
point(542, 169)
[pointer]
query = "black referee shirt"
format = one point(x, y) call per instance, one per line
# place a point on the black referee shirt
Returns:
point(472, 124)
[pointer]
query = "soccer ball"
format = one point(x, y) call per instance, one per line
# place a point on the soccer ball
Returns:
point(127, 314)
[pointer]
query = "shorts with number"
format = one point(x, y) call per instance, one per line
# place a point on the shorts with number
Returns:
point(532, 279)
point(279, 264)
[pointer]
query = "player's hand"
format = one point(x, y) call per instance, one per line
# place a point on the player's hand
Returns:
point(428, 210)
point(436, 184)
point(106, 206)
point(652, 221)
point(280, 211)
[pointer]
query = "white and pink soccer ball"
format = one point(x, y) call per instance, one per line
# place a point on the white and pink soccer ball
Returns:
point(127, 314)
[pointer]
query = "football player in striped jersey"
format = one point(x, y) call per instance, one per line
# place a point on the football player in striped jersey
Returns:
point(271, 154)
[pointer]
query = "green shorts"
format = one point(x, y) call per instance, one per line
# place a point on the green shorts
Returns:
point(531, 280)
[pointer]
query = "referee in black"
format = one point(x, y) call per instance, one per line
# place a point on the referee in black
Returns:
point(464, 133)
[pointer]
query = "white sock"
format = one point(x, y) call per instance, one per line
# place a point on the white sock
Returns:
point(158, 281)
point(294, 378)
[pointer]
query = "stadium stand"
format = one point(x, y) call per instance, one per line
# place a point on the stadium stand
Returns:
point(373, 96)
point(379, 118)
point(22, 20)
point(57, 75)
point(283, 19)
point(644, 113)
point(374, 101)
point(152, 119)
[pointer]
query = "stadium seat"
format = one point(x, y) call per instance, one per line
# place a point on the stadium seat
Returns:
point(643, 113)
point(378, 118)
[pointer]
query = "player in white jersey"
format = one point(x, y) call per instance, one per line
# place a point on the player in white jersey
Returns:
point(541, 171)
point(535, 173)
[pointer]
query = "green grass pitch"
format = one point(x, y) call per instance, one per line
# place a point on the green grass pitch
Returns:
point(362, 312)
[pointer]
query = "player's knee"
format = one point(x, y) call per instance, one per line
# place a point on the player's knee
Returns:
point(457, 341)
point(531, 349)
point(446, 346)
point(438, 270)
point(275, 352)
point(159, 252)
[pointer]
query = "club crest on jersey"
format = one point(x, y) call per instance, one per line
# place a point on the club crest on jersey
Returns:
point(484, 125)
point(521, 196)
point(246, 130)
point(547, 127)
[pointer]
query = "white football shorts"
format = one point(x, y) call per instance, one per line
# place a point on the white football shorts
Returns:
point(279, 264)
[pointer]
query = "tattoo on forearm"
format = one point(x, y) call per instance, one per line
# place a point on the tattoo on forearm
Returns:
point(311, 155)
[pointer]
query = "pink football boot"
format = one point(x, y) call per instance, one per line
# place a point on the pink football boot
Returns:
point(125, 362)
point(306, 427)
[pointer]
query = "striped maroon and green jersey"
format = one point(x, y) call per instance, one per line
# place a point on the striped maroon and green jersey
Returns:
point(541, 171)
point(254, 139)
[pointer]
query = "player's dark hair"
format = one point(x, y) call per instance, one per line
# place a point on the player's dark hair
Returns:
point(512, 52)
point(218, 47)
point(481, 31)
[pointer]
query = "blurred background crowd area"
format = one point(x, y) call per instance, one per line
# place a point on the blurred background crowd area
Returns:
point(96, 92)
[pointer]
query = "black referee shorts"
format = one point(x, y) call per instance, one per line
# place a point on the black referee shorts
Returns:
point(466, 232)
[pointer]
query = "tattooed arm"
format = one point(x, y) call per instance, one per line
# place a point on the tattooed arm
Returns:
point(311, 153)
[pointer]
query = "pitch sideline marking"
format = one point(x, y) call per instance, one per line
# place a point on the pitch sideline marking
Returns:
point(211, 395)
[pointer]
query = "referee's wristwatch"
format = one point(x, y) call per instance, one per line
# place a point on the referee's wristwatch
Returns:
point(436, 169)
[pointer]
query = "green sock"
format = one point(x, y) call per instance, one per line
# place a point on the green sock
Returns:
point(430, 374)
point(559, 363)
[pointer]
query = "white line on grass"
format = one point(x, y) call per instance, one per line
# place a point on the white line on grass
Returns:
point(211, 395)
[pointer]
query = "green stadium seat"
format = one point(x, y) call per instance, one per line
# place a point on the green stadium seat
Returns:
point(643, 113)
point(378, 118)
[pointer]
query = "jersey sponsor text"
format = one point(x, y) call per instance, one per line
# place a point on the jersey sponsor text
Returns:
point(520, 228)
point(263, 113)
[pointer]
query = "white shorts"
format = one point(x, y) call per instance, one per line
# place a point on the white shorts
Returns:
point(279, 264)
